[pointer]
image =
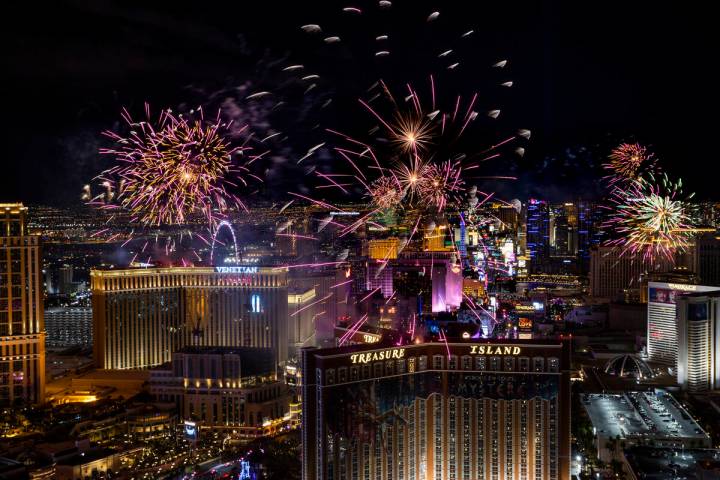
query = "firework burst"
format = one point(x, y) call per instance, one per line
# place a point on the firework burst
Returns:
point(415, 156)
point(649, 219)
point(441, 185)
point(628, 160)
point(411, 175)
point(174, 168)
point(411, 134)
point(385, 192)
point(397, 167)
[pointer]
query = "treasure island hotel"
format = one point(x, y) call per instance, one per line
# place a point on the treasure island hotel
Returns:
point(22, 334)
point(427, 411)
point(142, 315)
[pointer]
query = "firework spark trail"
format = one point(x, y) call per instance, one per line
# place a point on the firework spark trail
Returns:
point(342, 283)
point(296, 235)
point(369, 295)
point(352, 330)
point(311, 304)
point(311, 265)
point(443, 338)
point(474, 305)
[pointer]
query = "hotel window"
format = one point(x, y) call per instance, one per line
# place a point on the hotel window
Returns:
point(354, 373)
point(524, 364)
point(411, 365)
point(509, 364)
point(389, 367)
point(366, 371)
point(400, 366)
point(453, 362)
point(422, 362)
point(377, 369)
point(480, 363)
point(437, 362)
point(553, 365)
point(342, 374)
point(495, 364)
point(330, 376)
point(466, 362)
point(538, 364)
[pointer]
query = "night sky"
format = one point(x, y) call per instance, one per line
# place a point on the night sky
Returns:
point(587, 75)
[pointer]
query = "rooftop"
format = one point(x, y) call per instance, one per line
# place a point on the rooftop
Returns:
point(88, 457)
point(661, 463)
point(641, 414)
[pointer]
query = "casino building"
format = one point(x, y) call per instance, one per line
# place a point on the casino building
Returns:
point(459, 411)
point(662, 324)
point(142, 316)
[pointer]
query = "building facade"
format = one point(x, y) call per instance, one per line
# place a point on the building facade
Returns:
point(662, 325)
point(434, 411)
point(698, 320)
point(612, 273)
point(707, 258)
point(234, 390)
point(22, 331)
point(142, 316)
point(303, 308)
point(68, 327)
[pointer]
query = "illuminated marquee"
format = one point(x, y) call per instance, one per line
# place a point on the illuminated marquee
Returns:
point(369, 338)
point(238, 269)
point(388, 354)
point(524, 308)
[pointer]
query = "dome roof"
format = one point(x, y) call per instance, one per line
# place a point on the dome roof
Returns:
point(628, 366)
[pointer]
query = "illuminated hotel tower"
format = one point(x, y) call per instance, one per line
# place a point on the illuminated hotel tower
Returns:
point(698, 319)
point(22, 336)
point(485, 411)
point(142, 316)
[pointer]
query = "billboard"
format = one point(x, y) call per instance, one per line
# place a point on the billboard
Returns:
point(667, 293)
point(525, 324)
point(191, 431)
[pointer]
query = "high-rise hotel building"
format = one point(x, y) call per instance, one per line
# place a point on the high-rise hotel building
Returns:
point(459, 411)
point(662, 323)
point(698, 363)
point(22, 336)
point(142, 316)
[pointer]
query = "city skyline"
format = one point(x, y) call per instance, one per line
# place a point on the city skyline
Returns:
point(386, 240)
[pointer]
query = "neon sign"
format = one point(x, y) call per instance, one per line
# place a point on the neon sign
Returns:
point(379, 355)
point(494, 350)
point(239, 269)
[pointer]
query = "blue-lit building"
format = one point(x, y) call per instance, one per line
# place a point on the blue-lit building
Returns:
point(538, 233)
point(590, 234)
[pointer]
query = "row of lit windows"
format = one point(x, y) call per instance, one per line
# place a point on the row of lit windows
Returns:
point(418, 364)
point(143, 280)
point(385, 454)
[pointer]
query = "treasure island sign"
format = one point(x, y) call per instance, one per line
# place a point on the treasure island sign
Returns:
point(398, 353)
